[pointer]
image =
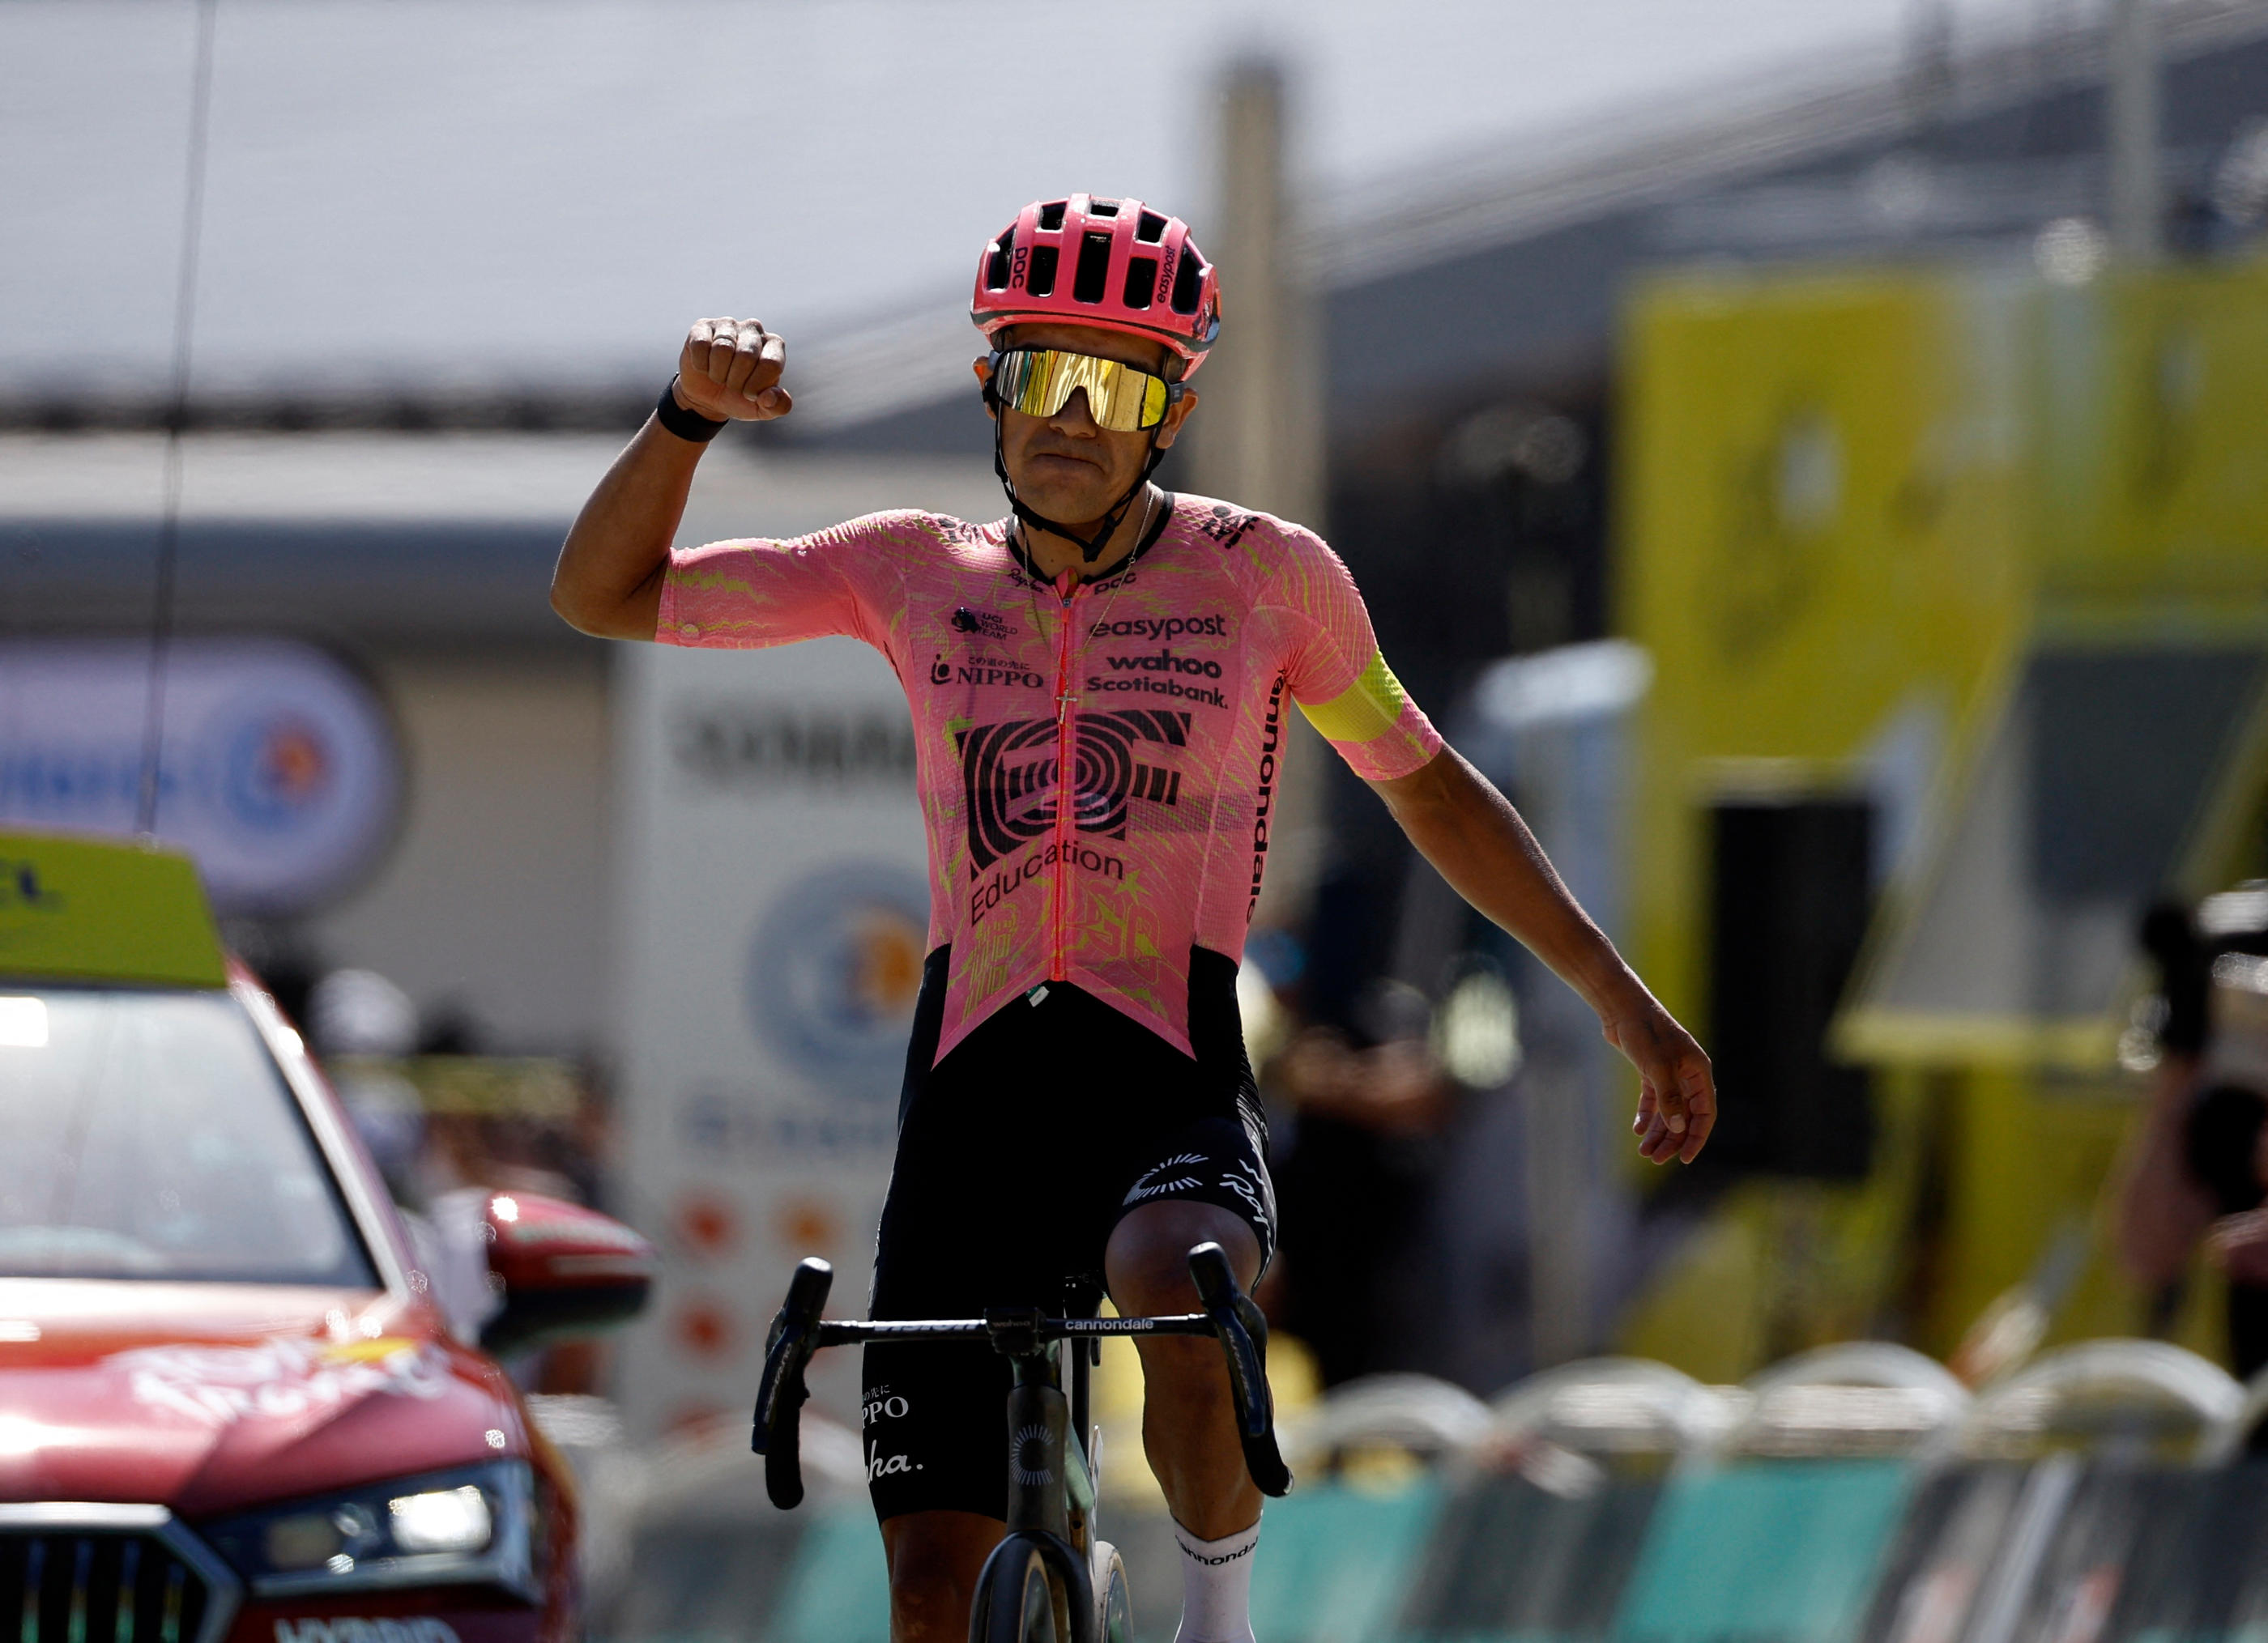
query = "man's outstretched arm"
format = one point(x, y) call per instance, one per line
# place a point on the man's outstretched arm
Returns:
point(607, 581)
point(1475, 840)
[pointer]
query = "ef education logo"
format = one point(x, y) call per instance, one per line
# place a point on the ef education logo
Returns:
point(1013, 786)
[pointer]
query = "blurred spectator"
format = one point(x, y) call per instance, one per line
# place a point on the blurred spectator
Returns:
point(1356, 1165)
point(359, 1012)
point(360, 1024)
point(2200, 1169)
point(448, 1128)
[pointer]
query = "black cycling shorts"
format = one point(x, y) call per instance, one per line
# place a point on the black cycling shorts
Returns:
point(1017, 1155)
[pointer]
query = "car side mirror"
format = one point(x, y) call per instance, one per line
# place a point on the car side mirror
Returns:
point(565, 1272)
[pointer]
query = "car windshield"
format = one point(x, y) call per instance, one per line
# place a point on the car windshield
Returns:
point(150, 1135)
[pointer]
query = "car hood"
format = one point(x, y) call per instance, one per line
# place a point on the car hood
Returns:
point(208, 1397)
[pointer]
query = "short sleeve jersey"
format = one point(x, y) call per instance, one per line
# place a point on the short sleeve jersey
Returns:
point(1096, 766)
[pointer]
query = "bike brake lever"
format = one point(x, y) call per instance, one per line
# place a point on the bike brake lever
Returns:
point(1243, 1333)
point(780, 1396)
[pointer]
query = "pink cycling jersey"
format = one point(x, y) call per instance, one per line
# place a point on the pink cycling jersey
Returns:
point(1160, 687)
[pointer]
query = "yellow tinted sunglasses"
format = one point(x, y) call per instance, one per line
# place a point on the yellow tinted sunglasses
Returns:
point(1040, 381)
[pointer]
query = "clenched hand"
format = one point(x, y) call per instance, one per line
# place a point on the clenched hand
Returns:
point(729, 370)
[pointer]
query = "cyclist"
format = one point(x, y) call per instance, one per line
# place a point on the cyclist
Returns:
point(1099, 682)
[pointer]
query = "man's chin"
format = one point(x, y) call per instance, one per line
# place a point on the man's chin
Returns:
point(1078, 506)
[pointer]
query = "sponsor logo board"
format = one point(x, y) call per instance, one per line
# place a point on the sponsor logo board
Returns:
point(775, 920)
point(278, 770)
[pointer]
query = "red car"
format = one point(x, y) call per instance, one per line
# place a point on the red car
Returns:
point(230, 1407)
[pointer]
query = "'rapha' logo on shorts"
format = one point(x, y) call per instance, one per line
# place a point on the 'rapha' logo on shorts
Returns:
point(879, 1465)
point(1009, 771)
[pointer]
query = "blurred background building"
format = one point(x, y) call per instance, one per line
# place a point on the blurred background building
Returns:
point(1809, 454)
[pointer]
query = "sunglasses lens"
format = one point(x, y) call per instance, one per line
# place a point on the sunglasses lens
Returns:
point(1039, 382)
point(1021, 381)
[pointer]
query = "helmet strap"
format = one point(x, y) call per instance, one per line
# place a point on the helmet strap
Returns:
point(1090, 548)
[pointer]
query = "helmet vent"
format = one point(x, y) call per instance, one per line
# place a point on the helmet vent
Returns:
point(1150, 228)
point(995, 266)
point(1187, 279)
point(1141, 275)
point(1051, 216)
point(1093, 274)
point(1102, 207)
point(1042, 281)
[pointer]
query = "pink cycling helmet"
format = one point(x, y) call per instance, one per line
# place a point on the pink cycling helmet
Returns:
point(1113, 264)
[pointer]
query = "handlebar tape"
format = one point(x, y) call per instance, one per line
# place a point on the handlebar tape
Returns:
point(781, 1394)
point(1243, 1334)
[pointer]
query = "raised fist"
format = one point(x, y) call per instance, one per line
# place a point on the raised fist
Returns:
point(729, 369)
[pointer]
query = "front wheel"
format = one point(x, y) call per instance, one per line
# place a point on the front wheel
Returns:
point(1113, 1619)
point(1014, 1602)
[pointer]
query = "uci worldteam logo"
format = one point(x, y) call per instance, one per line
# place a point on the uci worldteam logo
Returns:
point(834, 972)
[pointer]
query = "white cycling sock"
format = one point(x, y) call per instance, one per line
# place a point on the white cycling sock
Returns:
point(1216, 1587)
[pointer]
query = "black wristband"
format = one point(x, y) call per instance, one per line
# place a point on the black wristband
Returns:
point(684, 423)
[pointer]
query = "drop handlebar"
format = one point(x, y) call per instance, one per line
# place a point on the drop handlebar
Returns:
point(799, 1331)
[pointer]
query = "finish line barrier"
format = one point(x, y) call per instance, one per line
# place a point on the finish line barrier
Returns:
point(2110, 1494)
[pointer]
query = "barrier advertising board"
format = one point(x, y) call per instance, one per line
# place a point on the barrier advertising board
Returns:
point(775, 920)
point(279, 773)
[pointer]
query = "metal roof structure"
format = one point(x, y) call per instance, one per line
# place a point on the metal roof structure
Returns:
point(1506, 262)
point(1446, 284)
point(378, 538)
point(500, 213)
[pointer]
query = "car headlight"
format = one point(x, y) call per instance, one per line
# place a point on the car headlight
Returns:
point(470, 1526)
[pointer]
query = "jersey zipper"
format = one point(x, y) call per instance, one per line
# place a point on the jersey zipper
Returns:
point(1071, 591)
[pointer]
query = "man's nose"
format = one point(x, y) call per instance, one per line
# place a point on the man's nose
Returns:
point(1075, 417)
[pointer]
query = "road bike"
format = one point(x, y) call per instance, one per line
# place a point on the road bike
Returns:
point(1052, 1579)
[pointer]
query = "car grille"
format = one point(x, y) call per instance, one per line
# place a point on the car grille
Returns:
point(65, 1585)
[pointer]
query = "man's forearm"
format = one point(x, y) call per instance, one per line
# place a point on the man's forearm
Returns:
point(1477, 840)
point(608, 578)
point(609, 575)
